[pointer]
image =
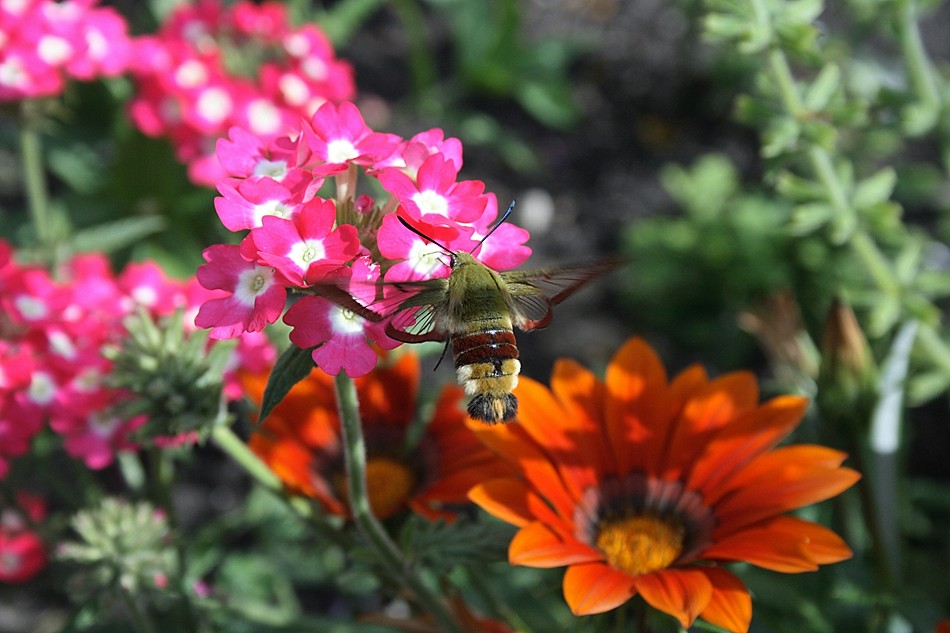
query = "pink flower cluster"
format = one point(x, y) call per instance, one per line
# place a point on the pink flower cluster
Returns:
point(303, 240)
point(52, 332)
point(42, 42)
point(22, 551)
point(211, 67)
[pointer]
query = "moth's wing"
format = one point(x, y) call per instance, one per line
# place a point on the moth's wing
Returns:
point(419, 312)
point(532, 293)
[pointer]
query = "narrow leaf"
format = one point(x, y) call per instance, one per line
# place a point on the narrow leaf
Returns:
point(291, 367)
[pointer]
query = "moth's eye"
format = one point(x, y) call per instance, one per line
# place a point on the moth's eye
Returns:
point(453, 261)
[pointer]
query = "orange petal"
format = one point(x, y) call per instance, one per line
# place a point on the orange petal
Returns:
point(636, 408)
point(505, 499)
point(559, 434)
point(535, 545)
point(735, 445)
point(783, 479)
point(582, 394)
point(683, 593)
point(513, 443)
point(388, 393)
point(686, 383)
point(596, 587)
point(731, 605)
point(713, 407)
point(784, 544)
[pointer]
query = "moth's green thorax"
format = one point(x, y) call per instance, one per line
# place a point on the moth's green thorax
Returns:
point(477, 298)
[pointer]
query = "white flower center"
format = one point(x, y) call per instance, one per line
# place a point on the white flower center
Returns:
point(425, 259)
point(276, 169)
point(214, 105)
point(61, 344)
point(191, 74)
point(264, 117)
point(431, 202)
point(42, 388)
point(302, 254)
point(145, 296)
point(30, 307)
point(346, 322)
point(275, 208)
point(340, 150)
point(54, 50)
point(293, 89)
point(252, 283)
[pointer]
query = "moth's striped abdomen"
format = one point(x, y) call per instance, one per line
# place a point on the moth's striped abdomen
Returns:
point(487, 366)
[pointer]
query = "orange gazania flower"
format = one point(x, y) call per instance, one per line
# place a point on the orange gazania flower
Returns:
point(644, 486)
point(300, 441)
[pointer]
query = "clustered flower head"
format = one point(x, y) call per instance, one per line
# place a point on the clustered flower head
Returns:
point(309, 229)
point(53, 330)
point(45, 42)
point(301, 441)
point(121, 546)
point(646, 486)
point(211, 67)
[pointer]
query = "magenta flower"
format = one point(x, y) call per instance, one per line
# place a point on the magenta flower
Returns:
point(303, 242)
point(341, 337)
point(244, 206)
point(305, 248)
point(255, 299)
point(247, 155)
point(417, 258)
point(338, 136)
point(47, 42)
point(187, 93)
point(436, 196)
point(411, 154)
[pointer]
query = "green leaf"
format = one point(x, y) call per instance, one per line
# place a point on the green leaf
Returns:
point(548, 101)
point(884, 316)
point(780, 137)
point(112, 236)
point(874, 189)
point(293, 366)
point(799, 12)
point(823, 88)
point(796, 188)
point(809, 217)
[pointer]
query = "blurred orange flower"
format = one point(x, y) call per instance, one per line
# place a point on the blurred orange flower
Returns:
point(642, 486)
point(300, 441)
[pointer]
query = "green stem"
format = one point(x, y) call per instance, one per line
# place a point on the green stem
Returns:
point(822, 166)
point(140, 620)
point(421, 65)
point(236, 449)
point(354, 448)
point(34, 174)
point(920, 70)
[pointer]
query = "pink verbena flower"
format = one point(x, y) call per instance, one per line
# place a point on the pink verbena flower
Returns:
point(52, 369)
point(436, 195)
point(255, 300)
point(47, 42)
point(211, 67)
point(315, 243)
point(338, 136)
point(306, 248)
point(341, 337)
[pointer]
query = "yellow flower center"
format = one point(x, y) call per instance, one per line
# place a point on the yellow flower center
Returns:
point(389, 483)
point(641, 544)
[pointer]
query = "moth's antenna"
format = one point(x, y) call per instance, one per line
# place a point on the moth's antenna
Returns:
point(423, 235)
point(497, 224)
